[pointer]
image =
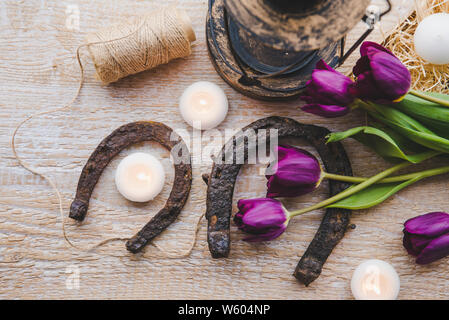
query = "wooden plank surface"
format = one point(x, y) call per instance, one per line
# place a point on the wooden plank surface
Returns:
point(38, 72)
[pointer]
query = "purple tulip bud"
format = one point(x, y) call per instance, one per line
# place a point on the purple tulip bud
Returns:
point(297, 172)
point(427, 237)
point(265, 219)
point(381, 77)
point(328, 92)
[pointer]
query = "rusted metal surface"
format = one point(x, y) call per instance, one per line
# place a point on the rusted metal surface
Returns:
point(118, 140)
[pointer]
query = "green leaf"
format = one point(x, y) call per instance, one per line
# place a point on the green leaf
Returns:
point(442, 96)
point(431, 141)
point(400, 118)
point(409, 128)
point(433, 115)
point(386, 145)
point(373, 195)
point(439, 98)
point(406, 145)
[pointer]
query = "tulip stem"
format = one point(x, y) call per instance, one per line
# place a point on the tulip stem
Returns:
point(430, 98)
point(404, 177)
point(348, 192)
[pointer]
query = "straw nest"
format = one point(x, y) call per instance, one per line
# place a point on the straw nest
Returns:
point(425, 76)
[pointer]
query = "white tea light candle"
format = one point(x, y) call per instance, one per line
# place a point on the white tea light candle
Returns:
point(432, 38)
point(375, 280)
point(140, 177)
point(203, 105)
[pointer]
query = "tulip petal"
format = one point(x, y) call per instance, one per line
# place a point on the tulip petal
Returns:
point(276, 189)
point(330, 87)
point(296, 166)
point(264, 216)
point(366, 87)
point(381, 77)
point(292, 175)
point(270, 235)
point(369, 45)
point(259, 216)
point(297, 172)
point(322, 65)
point(327, 111)
point(391, 76)
point(362, 65)
point(414, 244)
point(245, 205)
point(238, 219)
point(432, 224)
point(436, 249)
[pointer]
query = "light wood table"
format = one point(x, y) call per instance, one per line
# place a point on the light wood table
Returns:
point(38, 72)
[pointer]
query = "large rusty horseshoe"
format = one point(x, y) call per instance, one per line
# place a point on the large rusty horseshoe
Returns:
point(223, 176)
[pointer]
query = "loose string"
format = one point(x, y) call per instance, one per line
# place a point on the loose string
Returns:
point(34, 171)
point(23, 164)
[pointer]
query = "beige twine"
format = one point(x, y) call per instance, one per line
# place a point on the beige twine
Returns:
point(157, 36)
point(158, 39)
point(425, 76)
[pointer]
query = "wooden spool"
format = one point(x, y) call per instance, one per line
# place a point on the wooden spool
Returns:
point(267, 49)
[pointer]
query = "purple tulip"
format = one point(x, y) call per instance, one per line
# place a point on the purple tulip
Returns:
point(381, 77)
point(427, 237)
point(265, 219)
point(328, 93)
point(297, 172)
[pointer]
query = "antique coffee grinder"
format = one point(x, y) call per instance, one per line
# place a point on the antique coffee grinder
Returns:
point(267, 49)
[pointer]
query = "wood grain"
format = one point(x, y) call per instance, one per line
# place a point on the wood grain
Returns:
point(38, 72)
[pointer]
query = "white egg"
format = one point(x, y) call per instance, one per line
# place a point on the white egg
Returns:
point(432, 39)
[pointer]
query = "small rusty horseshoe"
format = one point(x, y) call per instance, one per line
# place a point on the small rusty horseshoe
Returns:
point(118, 140)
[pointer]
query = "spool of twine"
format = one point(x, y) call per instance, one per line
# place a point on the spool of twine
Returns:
point(132, 47)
